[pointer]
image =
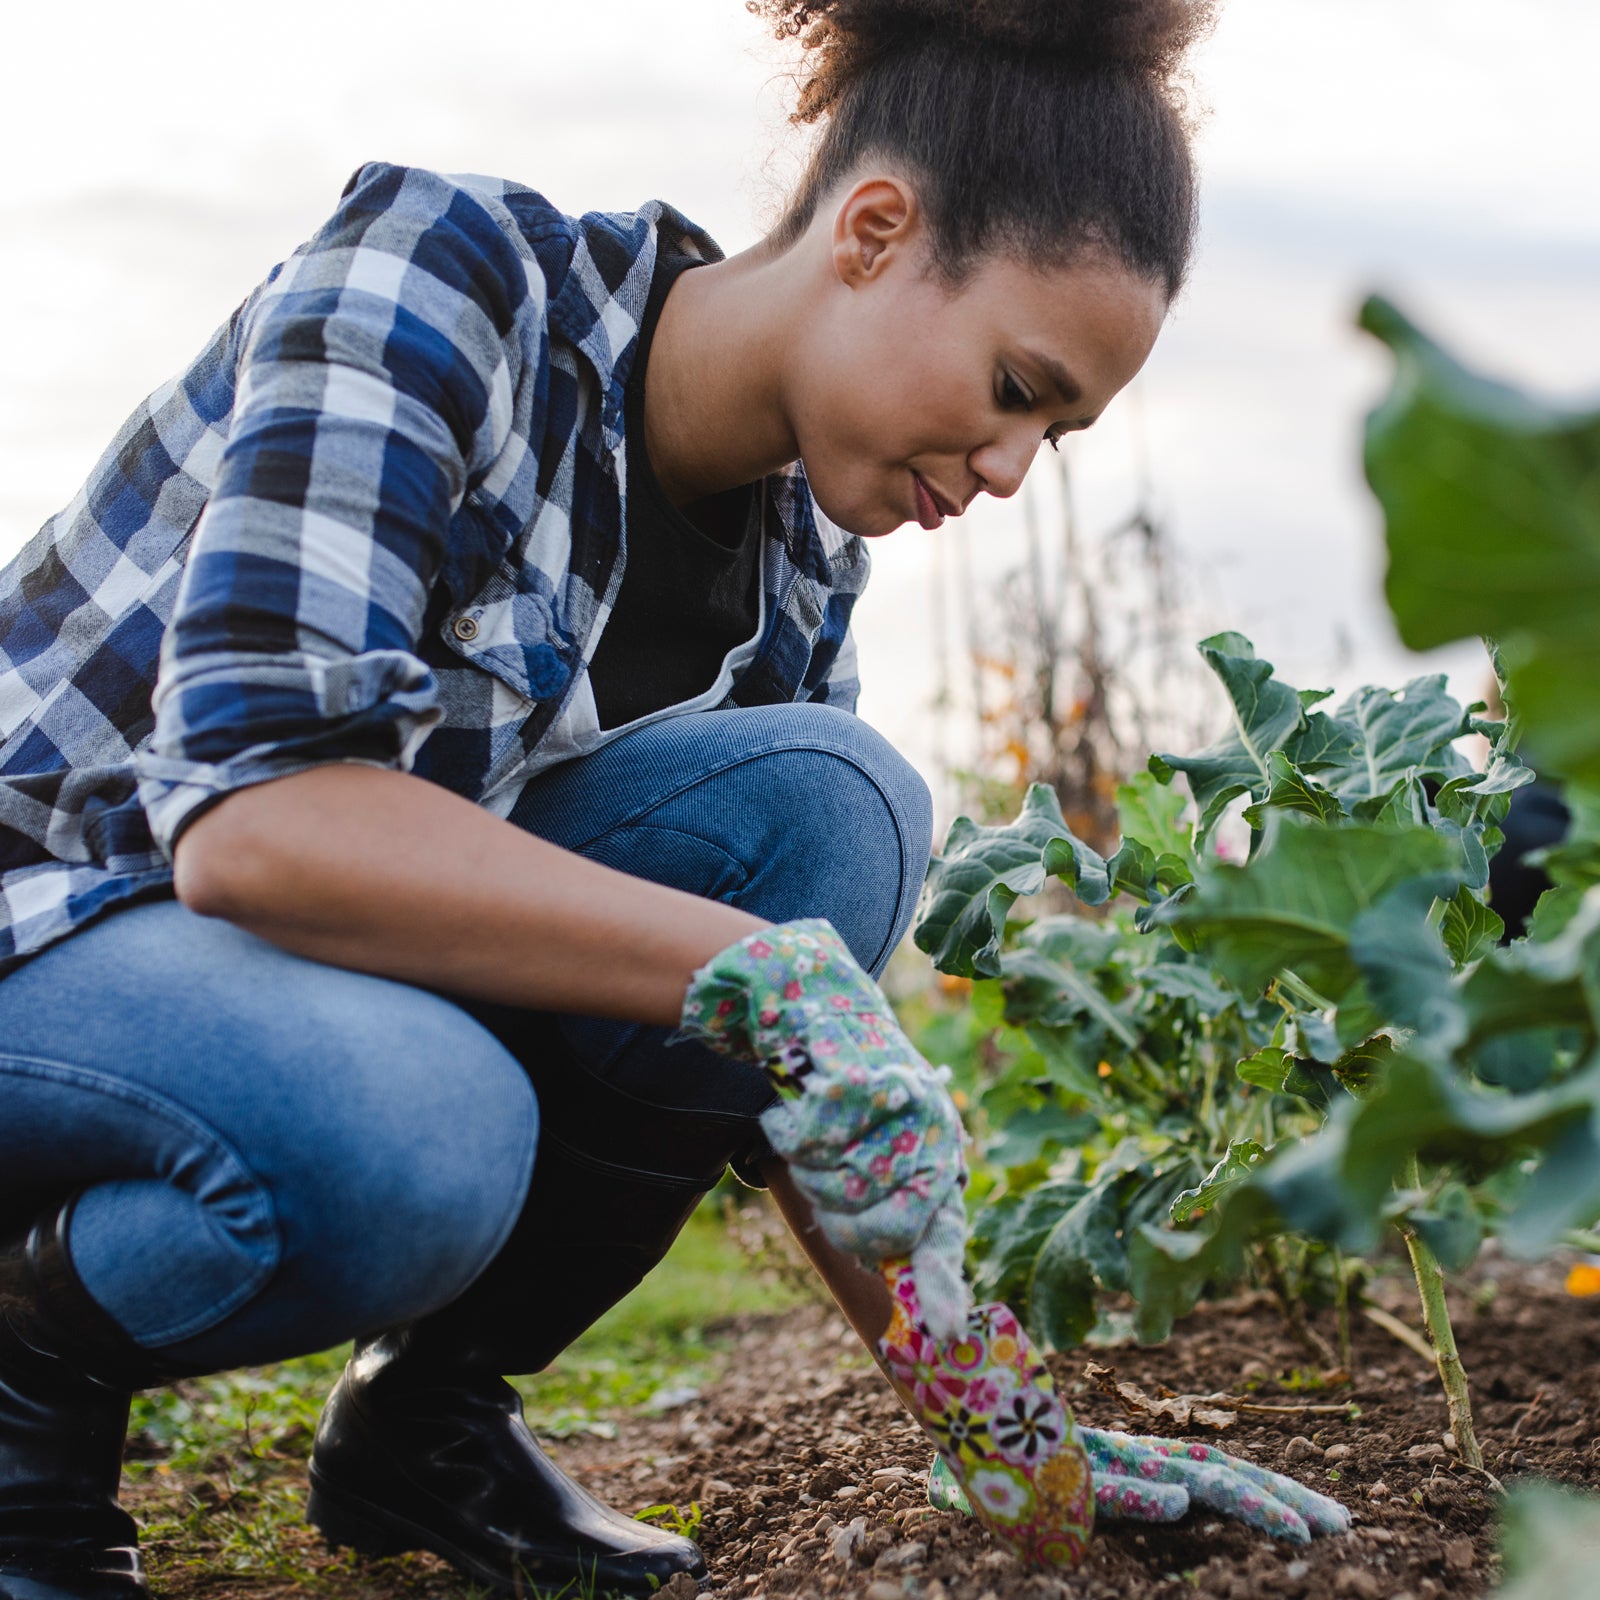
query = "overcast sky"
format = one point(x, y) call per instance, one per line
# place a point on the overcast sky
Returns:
point(160, 158)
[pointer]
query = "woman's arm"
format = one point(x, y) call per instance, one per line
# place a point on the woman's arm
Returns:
point(387, 873)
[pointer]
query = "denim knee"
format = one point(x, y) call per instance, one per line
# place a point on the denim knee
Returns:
point(416, 1204)
point(406, 1197)
point(857, 833)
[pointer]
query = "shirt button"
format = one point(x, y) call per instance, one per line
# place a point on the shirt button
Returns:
point(466, 628)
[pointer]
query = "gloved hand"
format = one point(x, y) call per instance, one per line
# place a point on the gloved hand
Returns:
point(989, 1405)
point(1141, 1479)
point(869, 1130)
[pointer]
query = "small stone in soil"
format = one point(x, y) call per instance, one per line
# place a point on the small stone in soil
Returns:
point(1300, 1448)
point(1355, 1583)
point(1379, 1491)
point(1336, 1452)
point(882, 1589)
point(1426, 1452)
point(1458, 1555)
point(903, 1555)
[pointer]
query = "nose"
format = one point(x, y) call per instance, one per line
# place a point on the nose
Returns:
point(1003, 462)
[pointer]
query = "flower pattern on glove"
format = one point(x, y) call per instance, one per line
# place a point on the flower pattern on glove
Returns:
point(989, 1405)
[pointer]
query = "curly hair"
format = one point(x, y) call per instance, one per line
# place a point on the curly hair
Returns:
point(1045, 126)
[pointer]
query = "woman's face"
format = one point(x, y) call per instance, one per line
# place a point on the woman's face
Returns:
point(910, 398)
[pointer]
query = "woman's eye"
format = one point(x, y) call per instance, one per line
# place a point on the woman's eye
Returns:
point(1012, 394)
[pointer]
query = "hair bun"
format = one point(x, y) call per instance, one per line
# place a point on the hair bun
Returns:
point(1142, 36)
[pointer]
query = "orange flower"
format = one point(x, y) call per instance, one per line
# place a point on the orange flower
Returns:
point(1583, 1279)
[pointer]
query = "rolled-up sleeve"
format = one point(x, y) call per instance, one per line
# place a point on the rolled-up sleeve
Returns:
point(374, 387)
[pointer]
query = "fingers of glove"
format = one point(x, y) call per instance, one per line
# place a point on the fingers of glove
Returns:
point(851, 1174)
point(1125, 1500)
point(1320, 1513)
point(1209, 1482)
point(849, 1102)
point(847, 1185)
point(891, 1227)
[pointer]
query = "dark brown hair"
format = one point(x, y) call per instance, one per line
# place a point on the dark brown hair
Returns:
point(1048, 127)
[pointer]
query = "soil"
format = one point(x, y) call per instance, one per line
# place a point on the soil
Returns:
point(809, 1477)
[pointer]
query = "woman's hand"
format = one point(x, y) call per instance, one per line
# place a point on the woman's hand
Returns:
point(868, 1128)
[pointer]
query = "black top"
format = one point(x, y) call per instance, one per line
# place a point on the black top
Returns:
point(691, 585)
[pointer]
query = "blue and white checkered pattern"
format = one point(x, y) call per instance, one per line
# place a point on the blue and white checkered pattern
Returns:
point(378, 519)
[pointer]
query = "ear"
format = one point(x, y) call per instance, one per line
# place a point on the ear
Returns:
point(876, 222)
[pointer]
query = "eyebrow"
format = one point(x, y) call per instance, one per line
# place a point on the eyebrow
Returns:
point(1066, 385)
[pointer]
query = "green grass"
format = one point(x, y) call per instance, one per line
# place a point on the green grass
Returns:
point(656, 1340)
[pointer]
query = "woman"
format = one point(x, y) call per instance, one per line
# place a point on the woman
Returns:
point(437, 682)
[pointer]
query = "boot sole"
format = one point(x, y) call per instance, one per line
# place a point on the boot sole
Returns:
point(354, 1524)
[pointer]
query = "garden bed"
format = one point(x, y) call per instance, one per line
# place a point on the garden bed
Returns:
point(807, 1475)
point(788, 1450)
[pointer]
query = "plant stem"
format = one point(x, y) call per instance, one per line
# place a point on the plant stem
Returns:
point(1436, 1320)
point(1341, 1307)
point(1293, 984)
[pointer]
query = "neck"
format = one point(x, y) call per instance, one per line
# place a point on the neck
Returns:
point(714, 416)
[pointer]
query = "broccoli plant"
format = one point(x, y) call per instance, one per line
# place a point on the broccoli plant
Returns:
point(1325, 1038)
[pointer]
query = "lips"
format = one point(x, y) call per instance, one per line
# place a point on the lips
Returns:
point(932, 508)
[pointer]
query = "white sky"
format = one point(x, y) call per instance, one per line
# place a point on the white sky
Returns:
point(159, 158)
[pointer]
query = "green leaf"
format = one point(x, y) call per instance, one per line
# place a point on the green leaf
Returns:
point(1394, 736)
point(1267, 1069)
point(1407, 970)
point(1047, 992)
point(1520, 1061)
point(1242, 1158)
point(1471, 930)
point(1008, 1233)
point(1265, 714)
point(971, 888)
point(1336, 1184)
point(1082, 1254)
point(1551, 1541)
point(1294, 904)
point(1038, 1132)
point(1492, 504)
point(1292, 790)
point(1554, 982)
point(1450, 1227)
point(1191, 983)
point(1153, 813)
point(1575, 862)
point(1136, 870)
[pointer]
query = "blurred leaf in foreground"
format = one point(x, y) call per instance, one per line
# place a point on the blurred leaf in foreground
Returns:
point(1492, 500)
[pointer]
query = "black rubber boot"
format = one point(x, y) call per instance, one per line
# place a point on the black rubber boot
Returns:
point(423, 1446)
point(67, 1372)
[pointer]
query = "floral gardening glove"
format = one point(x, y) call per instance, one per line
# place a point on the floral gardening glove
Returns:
point(1140, 1479)
point(868, 1128)
point(1004, 1436)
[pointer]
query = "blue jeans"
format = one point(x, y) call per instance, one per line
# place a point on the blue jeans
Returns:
point(273, 1155)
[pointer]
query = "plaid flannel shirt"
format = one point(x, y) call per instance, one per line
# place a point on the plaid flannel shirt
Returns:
point(378, 519)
